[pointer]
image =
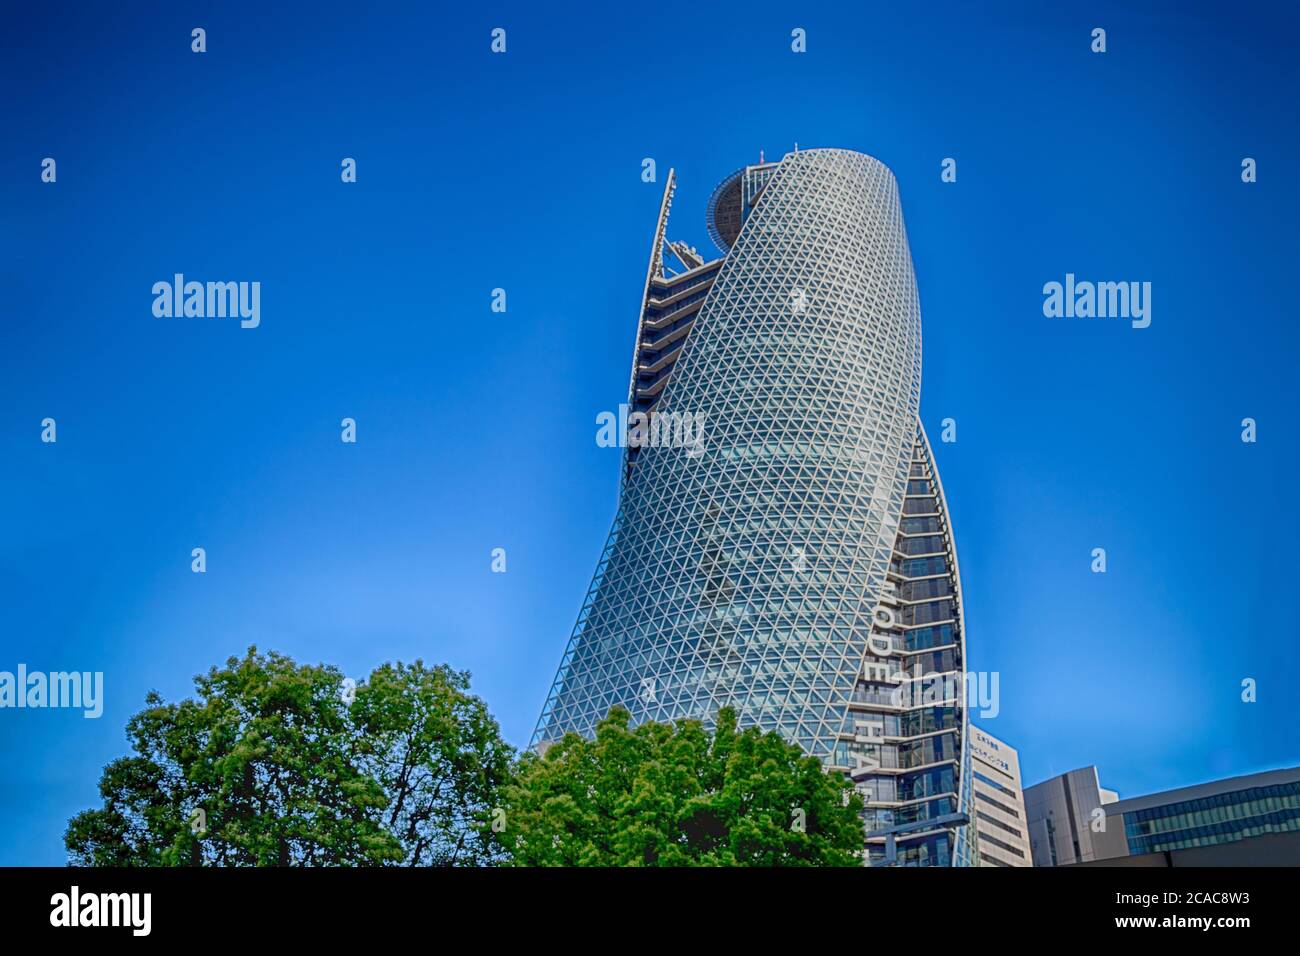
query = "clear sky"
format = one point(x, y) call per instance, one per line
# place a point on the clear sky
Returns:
point(476, 430)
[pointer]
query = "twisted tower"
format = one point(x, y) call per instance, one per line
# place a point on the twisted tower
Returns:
point(796, 560)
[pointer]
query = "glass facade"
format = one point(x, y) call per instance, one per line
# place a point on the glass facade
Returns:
point(1222, 818)
point(799, 566)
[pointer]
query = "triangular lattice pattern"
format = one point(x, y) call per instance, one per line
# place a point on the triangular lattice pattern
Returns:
point(747, 575)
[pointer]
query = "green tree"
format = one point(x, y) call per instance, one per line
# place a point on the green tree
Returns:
point(661, 795)
point(276, 763)
point(440, 759)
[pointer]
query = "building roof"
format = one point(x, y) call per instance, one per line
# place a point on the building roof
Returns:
point(1212, 789)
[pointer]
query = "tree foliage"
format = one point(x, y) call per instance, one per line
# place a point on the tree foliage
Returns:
point(276, 763)
point(661, 795)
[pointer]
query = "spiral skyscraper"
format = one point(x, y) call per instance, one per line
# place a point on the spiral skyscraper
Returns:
point(795, 559)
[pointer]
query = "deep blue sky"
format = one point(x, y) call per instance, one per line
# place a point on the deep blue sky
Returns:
point(477, 430)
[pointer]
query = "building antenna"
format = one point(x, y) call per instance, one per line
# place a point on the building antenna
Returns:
point(760, 157)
